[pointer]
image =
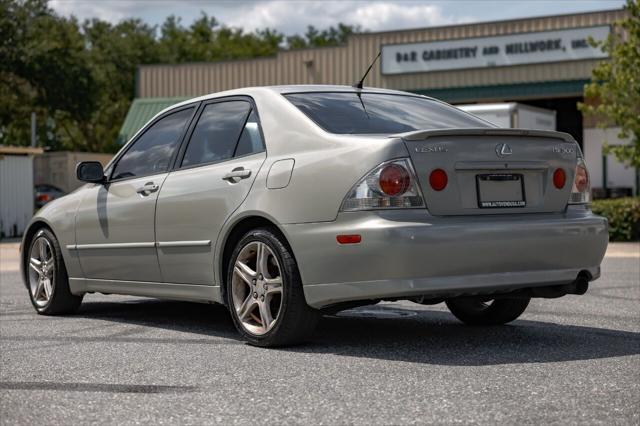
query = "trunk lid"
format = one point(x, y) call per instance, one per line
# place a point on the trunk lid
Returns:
point(493, 171)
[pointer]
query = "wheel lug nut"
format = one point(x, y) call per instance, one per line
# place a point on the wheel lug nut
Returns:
point(254, 281)
point(262, 298)
point(255, 295)
point(261, 277)
point(265, 287)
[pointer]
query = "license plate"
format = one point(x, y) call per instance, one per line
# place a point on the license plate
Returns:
point(500, 190)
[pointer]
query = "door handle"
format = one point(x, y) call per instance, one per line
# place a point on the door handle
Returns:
point(147, 189)
point(236, 174)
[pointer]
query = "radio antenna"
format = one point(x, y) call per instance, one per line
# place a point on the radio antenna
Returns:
point(358, 85)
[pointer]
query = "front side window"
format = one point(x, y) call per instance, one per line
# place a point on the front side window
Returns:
point(377, 113)
point(152, 152)
point(216, 135)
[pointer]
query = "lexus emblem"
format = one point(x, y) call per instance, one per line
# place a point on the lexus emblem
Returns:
point(503, 150)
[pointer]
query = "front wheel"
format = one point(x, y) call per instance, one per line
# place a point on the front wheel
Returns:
point(473, 311)
point(264, 291)
point(47, 278)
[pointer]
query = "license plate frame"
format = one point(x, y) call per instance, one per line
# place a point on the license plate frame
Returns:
point(500, 190)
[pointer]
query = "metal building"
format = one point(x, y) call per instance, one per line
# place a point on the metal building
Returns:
point(16, 189)
point(542, 61)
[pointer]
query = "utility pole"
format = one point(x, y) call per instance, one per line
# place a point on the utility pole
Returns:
point(33, 129)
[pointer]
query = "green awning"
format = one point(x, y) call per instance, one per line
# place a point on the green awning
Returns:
point(141, 111)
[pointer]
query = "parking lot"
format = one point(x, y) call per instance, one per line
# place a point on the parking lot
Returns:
point(126, 360)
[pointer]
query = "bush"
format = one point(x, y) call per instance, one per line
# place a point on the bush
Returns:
point(623, 215)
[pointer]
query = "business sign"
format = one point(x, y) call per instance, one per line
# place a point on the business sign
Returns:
point(483, 52)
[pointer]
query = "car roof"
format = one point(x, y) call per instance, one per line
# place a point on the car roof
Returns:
point(305, 88)
point(294, 88)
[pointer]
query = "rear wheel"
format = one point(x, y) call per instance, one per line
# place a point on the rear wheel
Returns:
point(47, 278)
point(264, 291)
point(474, 311)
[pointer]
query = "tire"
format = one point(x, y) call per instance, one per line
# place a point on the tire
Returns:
point(473, 311)
point(294, 320)
point(49, 293)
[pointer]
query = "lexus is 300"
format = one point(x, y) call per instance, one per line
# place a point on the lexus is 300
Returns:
point(284, 203)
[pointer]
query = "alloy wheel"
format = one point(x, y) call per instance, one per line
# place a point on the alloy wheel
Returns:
point(41, 271)
point(257, 289)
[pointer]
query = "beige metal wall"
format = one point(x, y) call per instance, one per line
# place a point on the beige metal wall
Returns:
point(345, 64)
point(59, 168)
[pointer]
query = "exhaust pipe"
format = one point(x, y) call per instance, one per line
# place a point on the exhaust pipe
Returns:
point(577, 287)
point(581, 285)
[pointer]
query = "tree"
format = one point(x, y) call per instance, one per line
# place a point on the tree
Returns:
point(207, 40)
point(79, 78)
point(43, 68)
point(113, 54)
point(615, 87)
point(332, 36)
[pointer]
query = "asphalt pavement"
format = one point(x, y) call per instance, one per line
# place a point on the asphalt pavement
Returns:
point(127, 360)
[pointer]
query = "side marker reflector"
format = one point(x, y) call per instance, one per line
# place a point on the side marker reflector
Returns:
point(349, 239)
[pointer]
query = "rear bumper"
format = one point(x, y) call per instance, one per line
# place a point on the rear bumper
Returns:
point(409, 253)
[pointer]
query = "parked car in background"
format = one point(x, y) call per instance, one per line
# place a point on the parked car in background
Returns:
point(286, 202)
point(46, 193)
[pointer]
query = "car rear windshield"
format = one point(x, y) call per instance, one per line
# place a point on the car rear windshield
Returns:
point(376, 113)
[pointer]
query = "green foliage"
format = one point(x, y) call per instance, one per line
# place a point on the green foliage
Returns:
point(329, 37)
point(206, 40)
point(43, 68)
point(623, 215)
point(615, 85)
point(79, 78)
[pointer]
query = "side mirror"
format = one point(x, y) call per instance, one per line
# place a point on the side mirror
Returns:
point(90, 171)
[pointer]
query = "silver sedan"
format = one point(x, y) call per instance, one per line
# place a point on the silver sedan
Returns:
point(286, 202)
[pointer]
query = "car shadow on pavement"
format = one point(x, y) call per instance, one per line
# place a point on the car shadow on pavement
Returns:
point(435, 337)
point(390, 333)
point(196, 318)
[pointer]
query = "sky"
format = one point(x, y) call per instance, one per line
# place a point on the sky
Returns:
point(293, 16)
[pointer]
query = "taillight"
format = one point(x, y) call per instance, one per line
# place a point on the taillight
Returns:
point(438, 179)
point(582, 179)
point(559, 178)
point(581, 189)
point(394, 180)
point(391, 185)
point(44, 198)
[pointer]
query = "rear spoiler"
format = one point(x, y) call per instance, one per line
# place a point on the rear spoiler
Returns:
point(419, 135)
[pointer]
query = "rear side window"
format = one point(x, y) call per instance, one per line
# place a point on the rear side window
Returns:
point(250, 140)
point(217, 132)
point(152, 152)
point(375, 113)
